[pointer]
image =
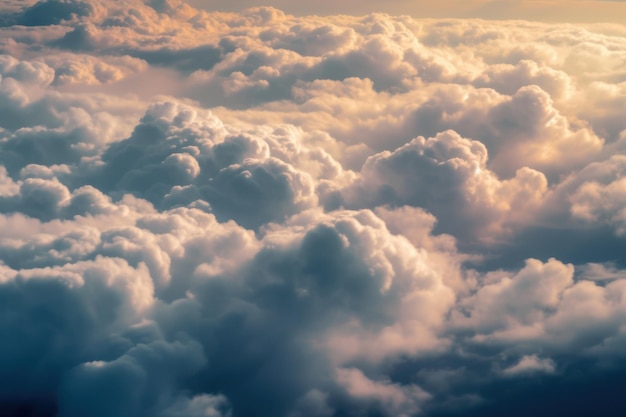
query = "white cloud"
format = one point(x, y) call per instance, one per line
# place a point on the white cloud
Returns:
point(529, 365)
point(393, 399)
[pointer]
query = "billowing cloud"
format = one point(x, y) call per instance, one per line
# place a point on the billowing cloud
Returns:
point(226, 214)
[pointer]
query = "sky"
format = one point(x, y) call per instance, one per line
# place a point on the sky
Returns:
point(330, 209)
point(579, 11)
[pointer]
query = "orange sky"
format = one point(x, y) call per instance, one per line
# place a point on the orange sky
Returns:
point(551, 10)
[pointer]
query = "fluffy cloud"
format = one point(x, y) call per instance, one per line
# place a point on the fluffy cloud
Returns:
point(447, 175)
point(529, 365)
point(542, 308)
point(217, 214)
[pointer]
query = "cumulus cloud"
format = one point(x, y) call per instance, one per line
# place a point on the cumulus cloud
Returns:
point(448, 176)
point(529, 365)
point(215, 214)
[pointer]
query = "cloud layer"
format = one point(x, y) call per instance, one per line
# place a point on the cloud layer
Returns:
point(215, 214)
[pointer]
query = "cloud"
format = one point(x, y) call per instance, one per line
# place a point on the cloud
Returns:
point(222, 214)
point(442, 173)
point(529, 365)
point(601, 272)
point(395, 400)
point(546, 310)
point(49, 12)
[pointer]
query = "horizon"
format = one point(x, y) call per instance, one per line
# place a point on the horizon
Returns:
point(555, 11)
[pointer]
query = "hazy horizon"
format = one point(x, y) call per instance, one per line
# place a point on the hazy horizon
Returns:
point(564, 11)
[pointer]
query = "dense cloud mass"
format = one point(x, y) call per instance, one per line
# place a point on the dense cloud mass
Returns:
point(208, 214)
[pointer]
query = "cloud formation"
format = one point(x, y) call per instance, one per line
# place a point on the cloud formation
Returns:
point(215, 214)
